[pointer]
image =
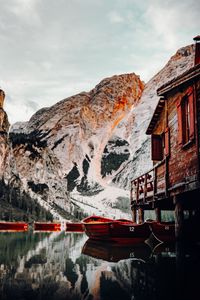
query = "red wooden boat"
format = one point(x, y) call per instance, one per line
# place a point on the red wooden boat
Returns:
point(42, 226)
point(163, 231)
point(79, 227)
point(75, 227)
point(115, 252)
point(14, 226)
point(94, 219)
point(122, 231)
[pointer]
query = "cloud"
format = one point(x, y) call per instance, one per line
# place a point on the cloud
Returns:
point(26, 10)
point(53, 49)
point(115, 17)
point(171, 21)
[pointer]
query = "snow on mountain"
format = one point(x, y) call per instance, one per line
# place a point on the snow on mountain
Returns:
point(139, 118)
point(78, 156)
point(61, 148)
point(110, 201)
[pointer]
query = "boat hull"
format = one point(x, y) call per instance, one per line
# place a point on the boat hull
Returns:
point(117, 231)
point(165, 232)
point(98, 219)
point(13, 226)
point(47, 226)
point(75, 227)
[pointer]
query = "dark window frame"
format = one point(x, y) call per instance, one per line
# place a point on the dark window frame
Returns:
point(186, 115)
point(160, 145)
point(186, 120)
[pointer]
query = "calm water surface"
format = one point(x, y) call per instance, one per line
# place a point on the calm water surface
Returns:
point(69, 266)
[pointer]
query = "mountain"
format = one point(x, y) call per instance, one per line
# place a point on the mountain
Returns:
point(61, 148)
point(139, 143)
point(78, 156)
point(4, 127)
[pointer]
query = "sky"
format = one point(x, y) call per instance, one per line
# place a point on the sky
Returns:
point(52, 49)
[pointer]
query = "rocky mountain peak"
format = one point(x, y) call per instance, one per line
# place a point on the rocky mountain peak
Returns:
point(61, 148)
point(2, 97)
point(4, 124)
point(4, 127)
point(80, 154)
point(183, 52)
point(139, 143)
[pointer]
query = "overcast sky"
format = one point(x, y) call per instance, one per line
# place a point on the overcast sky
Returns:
point(51, 49)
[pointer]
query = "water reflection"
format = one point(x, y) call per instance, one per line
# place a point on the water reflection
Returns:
point(114, 252)
point(61, 265)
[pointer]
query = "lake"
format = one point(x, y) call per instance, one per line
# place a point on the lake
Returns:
point(61, 265)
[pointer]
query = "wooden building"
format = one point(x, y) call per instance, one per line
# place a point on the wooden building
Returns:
point(174, 181)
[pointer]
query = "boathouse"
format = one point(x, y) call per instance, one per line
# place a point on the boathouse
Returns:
point(174, 181)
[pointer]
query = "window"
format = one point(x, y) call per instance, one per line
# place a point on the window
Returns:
point(160, 145)
point(156, 147)
point(185, 110)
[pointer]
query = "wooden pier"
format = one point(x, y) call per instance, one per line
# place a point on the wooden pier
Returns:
point(174, 181)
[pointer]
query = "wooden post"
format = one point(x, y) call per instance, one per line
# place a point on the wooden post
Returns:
point(134, 214)
point(179, 219)
point(145, 186)
point(154, 183)
point(166, 177)
point(158, 214)
point(131, 193)
point(140, 215)
point(180, 270)
point(137, 190)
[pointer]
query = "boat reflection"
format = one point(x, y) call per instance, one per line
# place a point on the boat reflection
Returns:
point(13, 230)
point(165, 249)
point(60, 265)
point(113, 252)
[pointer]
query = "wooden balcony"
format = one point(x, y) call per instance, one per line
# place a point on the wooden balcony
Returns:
point(156, 184)
point(149, 186)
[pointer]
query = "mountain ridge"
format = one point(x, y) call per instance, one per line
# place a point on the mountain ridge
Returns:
point(89, 146)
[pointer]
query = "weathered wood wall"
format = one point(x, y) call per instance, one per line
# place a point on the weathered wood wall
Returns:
point(183, 160)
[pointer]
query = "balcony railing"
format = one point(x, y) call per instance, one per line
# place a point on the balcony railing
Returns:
point(158, 183)
point(146, 187)
point(142, 187)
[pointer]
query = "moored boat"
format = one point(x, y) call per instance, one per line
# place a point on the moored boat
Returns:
point(79, 226)
point(43, 226)
point(13, 226)
point(163, 231)
point(75, 227)
point(94, 219)
point(121, 231)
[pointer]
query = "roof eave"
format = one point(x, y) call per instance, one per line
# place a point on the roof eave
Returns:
point(155, 116)
point(186, 76)
point(161, 92)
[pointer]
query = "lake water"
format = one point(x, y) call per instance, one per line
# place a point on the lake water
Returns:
point(69, 266)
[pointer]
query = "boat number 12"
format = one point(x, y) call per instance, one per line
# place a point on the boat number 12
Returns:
point(131, 228)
